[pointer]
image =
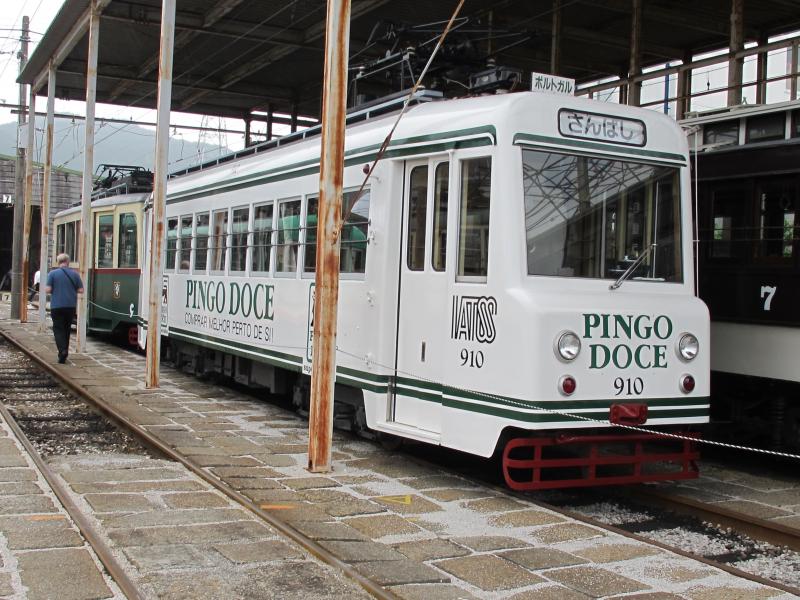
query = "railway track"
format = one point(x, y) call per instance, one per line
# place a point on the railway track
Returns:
point(638, 527)
point(26, 381)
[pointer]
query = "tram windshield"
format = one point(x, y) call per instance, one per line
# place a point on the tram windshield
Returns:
point(593, 217)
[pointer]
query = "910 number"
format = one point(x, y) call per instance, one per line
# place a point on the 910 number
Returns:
point(471, 358)
point(629, 386)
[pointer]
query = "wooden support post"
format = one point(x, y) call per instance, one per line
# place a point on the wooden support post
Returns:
point(46, 186)
point(684, 92)
point(87, 230)
point(761, 73)
point(635, 69)
point(735, 64)
point(555, 39)
point(334, 107)
point(795, 50)
point(164, 104)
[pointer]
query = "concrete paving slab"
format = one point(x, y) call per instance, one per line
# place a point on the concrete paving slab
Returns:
point(163, 518)
point(489, 543)
point(118, 502)
point(172, 556)
point(76, 578)
point(139, 487)
point(730, 593)
point(595, 582)
point(195, 500)
point(400, 572)
point(489, 572)
point(542, 558)
point(119, 475)
point(307, 483)
point(496, 504)
point(293, 581)
point(453, 494)
point(432, 592)
point(755, 509)
point(435, 549)
point(615, 552)
point(11, 475)
point(526, 518)
point(195, 534)
point(351, 507)
point(266, 551)
point(335, 530)
point(6, 584)
point(17, 505)
point(566, 532)
point(238, 473)
point(382, 525)
point(361, 551)
point(550, 592)
point(23, 487)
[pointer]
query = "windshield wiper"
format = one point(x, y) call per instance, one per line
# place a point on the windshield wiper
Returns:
point(632, 268)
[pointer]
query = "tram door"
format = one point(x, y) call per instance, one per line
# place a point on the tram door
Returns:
point(423, 318)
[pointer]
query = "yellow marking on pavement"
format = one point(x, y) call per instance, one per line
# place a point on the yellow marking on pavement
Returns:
point(406, 500)
point(46, 518)
point(277, 506)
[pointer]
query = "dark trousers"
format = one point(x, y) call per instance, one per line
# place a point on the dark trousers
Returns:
point(62, 327)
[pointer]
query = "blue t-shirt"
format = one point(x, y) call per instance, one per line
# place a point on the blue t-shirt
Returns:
point(64, 294)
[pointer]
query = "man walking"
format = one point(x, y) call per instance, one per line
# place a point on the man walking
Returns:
point(64, 286)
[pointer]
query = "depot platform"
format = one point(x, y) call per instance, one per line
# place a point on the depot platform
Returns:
point(410, 528)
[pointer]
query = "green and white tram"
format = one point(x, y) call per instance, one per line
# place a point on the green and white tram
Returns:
point(517, 278)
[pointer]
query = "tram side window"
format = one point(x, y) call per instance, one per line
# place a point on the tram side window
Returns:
point(776, 220)
point(473, 238)
point(200, 242)
point(172, 242)
point(722, 134)
point(60, 238)
point(219, 240)
point(417, 215)
point(288, 236)
point(105, 241)
point(127, 250)
point(312, 218)
point(766, 127)
point(239, 234)
point(441, 186)
point(185, 252)
point(355, 229)
point(729, 231)
point(262, 238)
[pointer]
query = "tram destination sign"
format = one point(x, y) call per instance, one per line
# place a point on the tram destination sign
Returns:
point(602, 128)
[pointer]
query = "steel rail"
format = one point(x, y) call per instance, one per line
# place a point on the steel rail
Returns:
point(759, 529)
point(156, 444)
point(90, 534)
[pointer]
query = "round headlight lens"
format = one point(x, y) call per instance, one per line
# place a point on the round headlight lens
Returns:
point(569, 345)
point(688, 346)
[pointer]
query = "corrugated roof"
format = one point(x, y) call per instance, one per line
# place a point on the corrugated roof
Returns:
point(235, 56)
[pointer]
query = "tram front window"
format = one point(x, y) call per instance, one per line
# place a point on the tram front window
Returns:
point(593, 217)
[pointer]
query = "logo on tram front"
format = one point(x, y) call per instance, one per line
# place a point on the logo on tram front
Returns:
point(472, 319)
point(632, 340)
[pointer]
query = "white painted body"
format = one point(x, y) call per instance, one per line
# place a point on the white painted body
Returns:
point(520, 371)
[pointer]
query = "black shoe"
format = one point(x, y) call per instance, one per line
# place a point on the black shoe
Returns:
point(62, 358)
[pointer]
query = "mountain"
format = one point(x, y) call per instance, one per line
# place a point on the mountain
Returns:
point(115, 143)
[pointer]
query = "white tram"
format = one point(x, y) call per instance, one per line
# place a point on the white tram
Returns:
point(517, 277)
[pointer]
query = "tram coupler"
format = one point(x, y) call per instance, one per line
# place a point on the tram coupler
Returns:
point(545, 463)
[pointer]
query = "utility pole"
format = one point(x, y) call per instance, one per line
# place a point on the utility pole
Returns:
point(331, 174)
point(17, 301)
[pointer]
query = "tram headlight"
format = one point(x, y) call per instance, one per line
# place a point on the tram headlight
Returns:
point(568, 345)
point(688, 347)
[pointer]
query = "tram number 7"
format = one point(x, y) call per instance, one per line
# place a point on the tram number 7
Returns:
point(769, 292)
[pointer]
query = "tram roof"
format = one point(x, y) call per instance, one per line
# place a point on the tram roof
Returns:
point(233, 57)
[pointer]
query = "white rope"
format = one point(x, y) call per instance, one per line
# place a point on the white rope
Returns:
point(124, 314)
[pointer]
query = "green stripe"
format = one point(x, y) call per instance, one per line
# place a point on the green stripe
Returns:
point(487, 137)
point(524, 138)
